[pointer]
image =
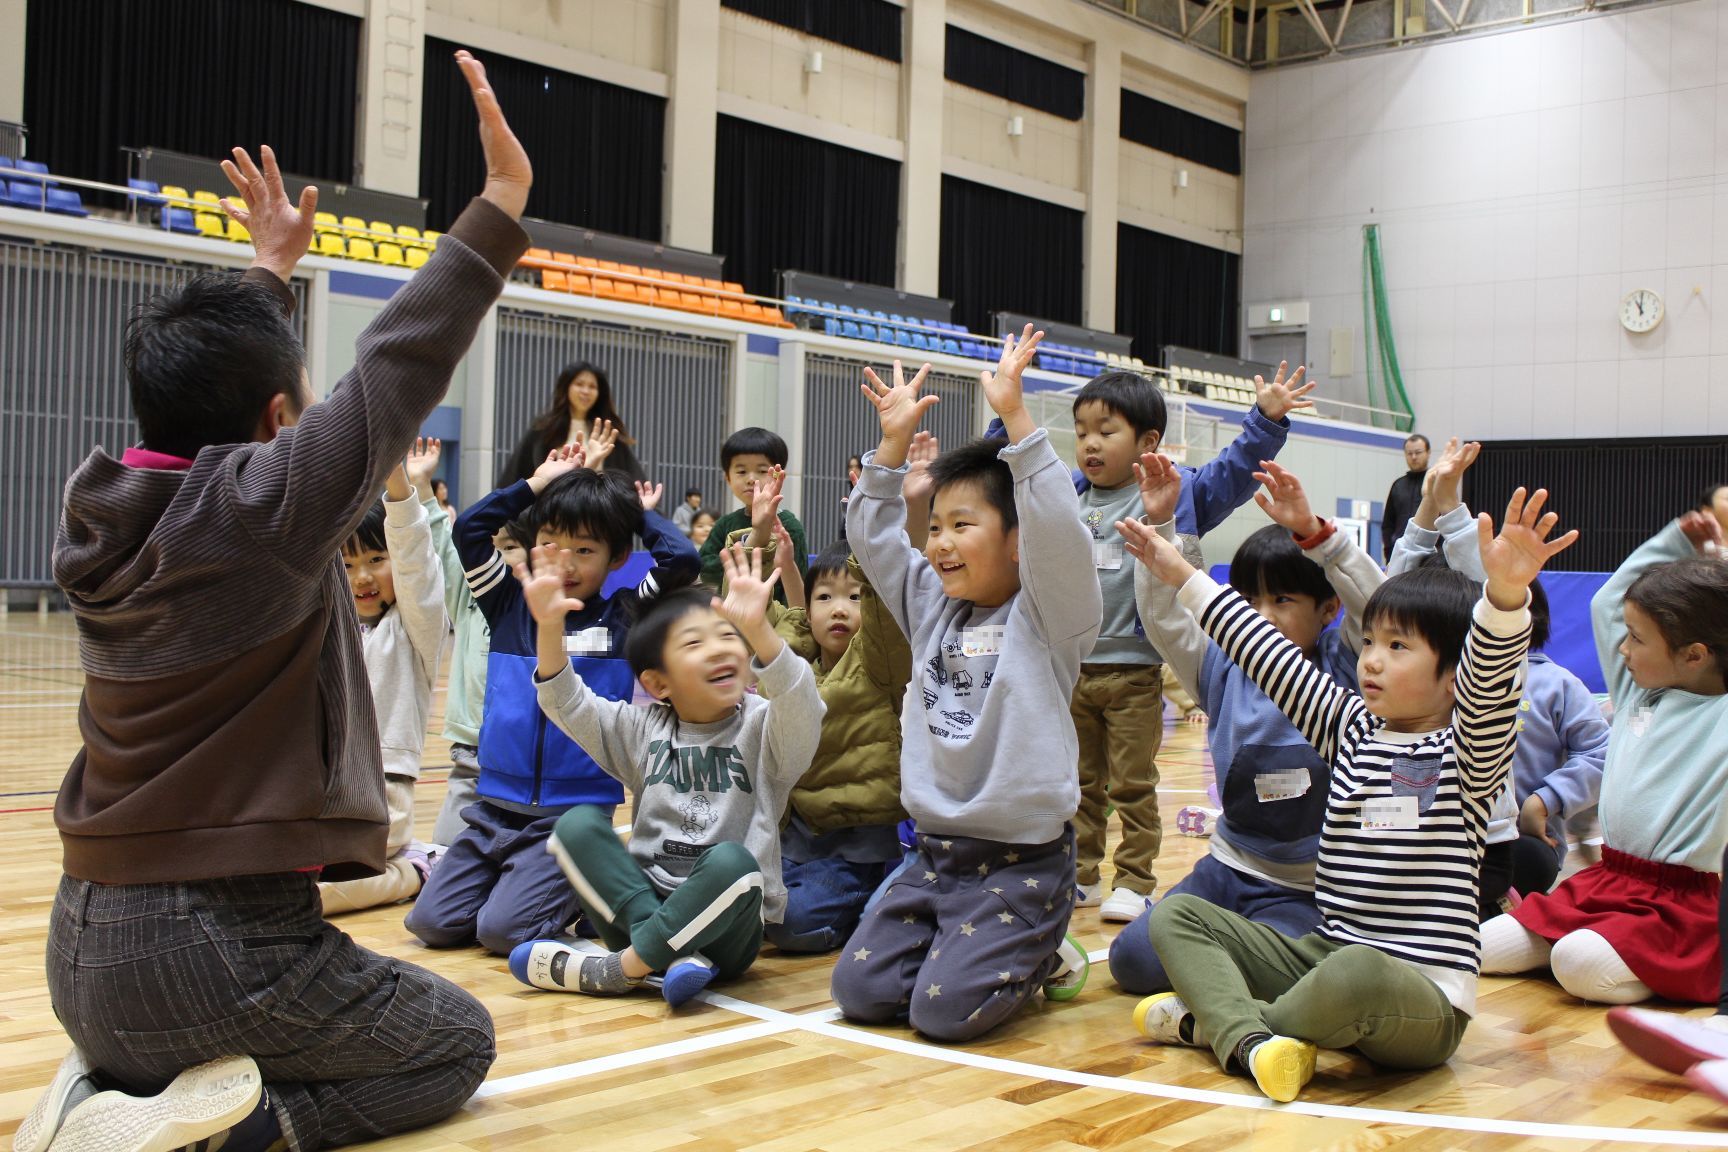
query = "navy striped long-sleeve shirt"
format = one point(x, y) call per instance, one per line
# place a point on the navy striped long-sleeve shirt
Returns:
point(1407, 812)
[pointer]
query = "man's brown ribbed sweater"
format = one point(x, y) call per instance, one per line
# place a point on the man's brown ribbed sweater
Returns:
point(226, 716)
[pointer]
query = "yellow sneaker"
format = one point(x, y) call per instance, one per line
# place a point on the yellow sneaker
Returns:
point(1281, 1066)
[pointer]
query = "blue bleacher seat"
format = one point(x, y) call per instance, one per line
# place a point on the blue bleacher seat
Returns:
point(952, 347)
point(849, 329)
point(145, 191)
point(903, 338)
point(179, 220)
point(920, 341)
point(867, 331)
point(881, 315)
point(831, 325)
point(66, 202)
point(848, 310)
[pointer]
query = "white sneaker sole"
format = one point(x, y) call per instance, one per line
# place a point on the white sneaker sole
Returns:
point(37, 1131)
point(201, 1102)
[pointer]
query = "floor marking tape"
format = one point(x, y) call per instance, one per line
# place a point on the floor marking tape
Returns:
point(580, 1068)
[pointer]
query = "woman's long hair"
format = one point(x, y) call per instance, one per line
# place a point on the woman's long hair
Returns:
point(554, 423)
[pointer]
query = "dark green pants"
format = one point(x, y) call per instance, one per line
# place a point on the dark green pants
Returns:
point(1238, 978)
point(716, 911)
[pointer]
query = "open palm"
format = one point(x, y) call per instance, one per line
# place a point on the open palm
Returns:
point(1515, 557)
point(901, 406)
point(1160, 487)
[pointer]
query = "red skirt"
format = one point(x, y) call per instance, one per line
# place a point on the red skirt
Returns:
point(1660, 918)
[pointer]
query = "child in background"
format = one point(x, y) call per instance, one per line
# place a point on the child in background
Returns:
point(1118, 705)
point(1562, 738)
point(1416, 761)
point(1260, 862)
point(1644, 921)
point(1000, 609)
point(709, 766)
point(748, 459)
point(686, 512)
point(496, 883)
point(398, 590)
point(701, 527)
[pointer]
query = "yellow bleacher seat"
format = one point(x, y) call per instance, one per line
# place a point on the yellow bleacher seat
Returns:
point(214, 201)
point(431, 237)
point(417, 257)
point(390, 254)
point(407, 234)
point(382, 229)
point(325, 222)
point(330, 244)
point(237, 232)
point(360, 248)
point(176, 196)
point(211, 226)
point(353, 224)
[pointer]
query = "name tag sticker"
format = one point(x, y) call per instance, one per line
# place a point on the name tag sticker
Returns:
point(1390, 812)
point(588, 641)
point(984, 640)
point(1107, 555)
point(1271, 786)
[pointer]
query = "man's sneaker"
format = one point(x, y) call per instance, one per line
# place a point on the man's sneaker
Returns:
point(1193, 820)
point(73, 1084)
point(1163, 1019)
point(1088, 895)
point(1281, 1067)
point(201, 1102)
point(1070, 976)
point(1672, 1042)
point(687, 976)
point(1710, 1078)
point(1123, 905)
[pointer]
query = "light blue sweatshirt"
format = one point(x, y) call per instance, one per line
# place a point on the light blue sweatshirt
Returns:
point(1662, 787)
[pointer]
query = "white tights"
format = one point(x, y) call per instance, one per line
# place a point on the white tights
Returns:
point(1583, 962)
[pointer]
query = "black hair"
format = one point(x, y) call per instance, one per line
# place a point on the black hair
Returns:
point(552, 425)
point(1433, 603)
point(369, 533)
point(1688, 600)
point(521, 530)
point(1270, 563)
point(599, 504)
point(1130, 396)
point(1539, 618)
point(830, 562)
point(752, 442)
point(204, 360)
point(980, 463)
point(645, 645)
point(1707, 502)
point(1418, 436)
point(689, 492)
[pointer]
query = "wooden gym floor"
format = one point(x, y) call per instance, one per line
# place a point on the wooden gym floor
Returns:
point(766, 1064)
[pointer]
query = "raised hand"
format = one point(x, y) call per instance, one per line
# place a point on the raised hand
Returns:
point(543, 588)
point(281, 231)
point(649, 494)
point(1160, 486)
point(1514, 558)
point(1002, 388)
point(923, 452)
point(747, 595)
point(1282, 397)
point(1163, 558)
point(1705, 532)
point(765, 506)
point(558, 462)
point(508, 173)
point(598, 444)
point(899, 409)
point(422, 462)
point(1284, 501)
point(1447, 474)
point(786, 566)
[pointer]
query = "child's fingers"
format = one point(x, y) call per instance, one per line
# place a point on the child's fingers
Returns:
point(1533, 508)
point(1515, 506)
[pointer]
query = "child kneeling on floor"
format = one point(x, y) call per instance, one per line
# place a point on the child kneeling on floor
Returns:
point(709, 766)
point(1417, 760)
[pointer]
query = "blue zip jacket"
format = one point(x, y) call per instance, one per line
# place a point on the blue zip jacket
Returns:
point(526, 763)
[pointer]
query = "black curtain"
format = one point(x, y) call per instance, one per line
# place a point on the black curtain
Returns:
point(1617, 493)
point(993, 67)
point(785, 202)
point(871, 26)
point(1181, 133)
point(197, 76)
point(1003, 252)
point(1171, 291)
point(596, 147)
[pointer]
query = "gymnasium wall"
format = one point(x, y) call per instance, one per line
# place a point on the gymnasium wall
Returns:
point(1523, 184)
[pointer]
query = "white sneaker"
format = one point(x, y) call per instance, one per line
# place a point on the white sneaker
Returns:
point(201, 1102)
point(1088, 895)
point(1160, 1016)
point(1124, 905)
point(72, 1086)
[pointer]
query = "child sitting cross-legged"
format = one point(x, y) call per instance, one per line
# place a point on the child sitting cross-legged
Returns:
point(709, 766)
point(1000, 607)
point(1416, 760)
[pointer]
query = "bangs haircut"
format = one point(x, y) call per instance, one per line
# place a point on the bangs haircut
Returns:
point(1433, 603)
point(833, 561)
point(978, 463)
point(603, 505)
point(1269, 563)
point(752, 442)
point(645, 645)
point(369, 533)
point(1130, 396)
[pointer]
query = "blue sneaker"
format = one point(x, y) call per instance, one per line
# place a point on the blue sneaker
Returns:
point(685, 978)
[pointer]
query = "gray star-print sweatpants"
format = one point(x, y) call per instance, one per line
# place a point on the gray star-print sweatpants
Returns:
point(965, 934)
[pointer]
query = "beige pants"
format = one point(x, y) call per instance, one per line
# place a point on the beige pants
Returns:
point(1118, 712)
point(400, 879)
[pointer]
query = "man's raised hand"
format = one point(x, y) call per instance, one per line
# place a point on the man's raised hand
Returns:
point(509, 175)
point(281, 230)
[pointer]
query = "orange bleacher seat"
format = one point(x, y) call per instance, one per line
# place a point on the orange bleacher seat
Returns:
point(605, 289)
point(581, 283)
point(628, 291)
point(690, 302)
point(417, 257)
point(732, 308)
point(587, 262)
point(710, 282)
point(673, 277)
point(756, 313)
point(564, 258)
point(537, 254)
point(729, 286)
point(553, 281)
point(772, 316)
point(609, 266)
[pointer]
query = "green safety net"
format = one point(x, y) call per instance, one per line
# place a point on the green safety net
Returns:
point(1385, 382)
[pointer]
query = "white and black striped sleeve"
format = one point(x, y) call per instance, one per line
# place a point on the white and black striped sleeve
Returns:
point(1489, 683)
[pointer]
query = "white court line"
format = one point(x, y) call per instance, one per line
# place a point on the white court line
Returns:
point(580, 1068)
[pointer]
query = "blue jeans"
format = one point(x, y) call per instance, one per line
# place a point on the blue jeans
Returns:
point(824, 899)
point(1289, 911)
